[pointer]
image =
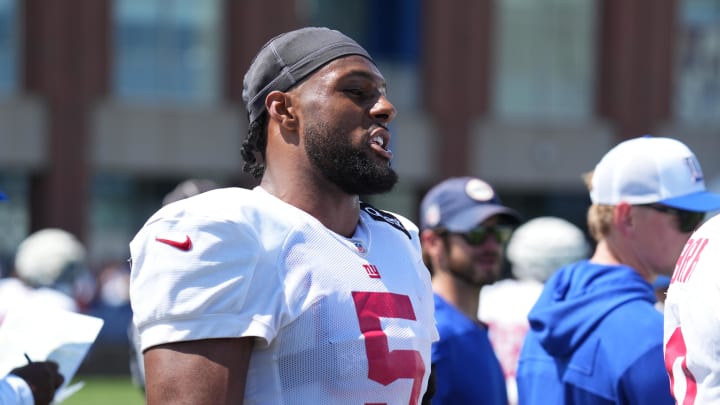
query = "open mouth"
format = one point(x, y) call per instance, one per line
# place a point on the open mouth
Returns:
point(379, 142)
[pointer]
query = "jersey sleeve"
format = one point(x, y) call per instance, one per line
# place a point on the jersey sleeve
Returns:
point(200, 278)
point(14, 390)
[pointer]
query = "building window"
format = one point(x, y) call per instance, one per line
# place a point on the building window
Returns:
point(8, 46)
point(167, 50)
point(697, 95)
point(544, 55)
point(388, 29)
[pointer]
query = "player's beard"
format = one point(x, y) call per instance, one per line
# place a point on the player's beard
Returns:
point(347, 166)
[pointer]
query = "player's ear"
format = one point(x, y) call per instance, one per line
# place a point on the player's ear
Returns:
point(280, 108)
point(623, 217)
point(432, 243)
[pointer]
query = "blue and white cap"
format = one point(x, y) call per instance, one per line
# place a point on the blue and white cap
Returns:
point(652, 169)
point(458, 204)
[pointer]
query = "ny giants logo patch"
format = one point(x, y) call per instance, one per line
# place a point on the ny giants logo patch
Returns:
point(372, 270)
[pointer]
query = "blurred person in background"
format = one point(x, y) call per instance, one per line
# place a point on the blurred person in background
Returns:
point(36, 382)
point(595, 336)
point(464, 230)
point(692, 319)
point(692, 326)
point(536, 250)
point(32, 384)
point(47, 265)
point(111, 303)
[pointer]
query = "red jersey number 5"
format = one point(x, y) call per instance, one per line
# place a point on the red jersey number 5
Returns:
point(385, 365)
point(675, 351)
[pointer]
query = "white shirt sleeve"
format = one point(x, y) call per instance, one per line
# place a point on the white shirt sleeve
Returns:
point(15, 391)
point(219, 287)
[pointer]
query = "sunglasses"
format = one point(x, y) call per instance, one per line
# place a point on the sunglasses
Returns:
point(479, 234)
point(688, 221)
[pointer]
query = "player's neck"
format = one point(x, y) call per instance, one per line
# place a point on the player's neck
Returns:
point(337, 211)
point(620, 252)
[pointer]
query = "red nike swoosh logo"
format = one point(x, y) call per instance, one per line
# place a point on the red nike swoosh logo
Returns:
point(184, 245)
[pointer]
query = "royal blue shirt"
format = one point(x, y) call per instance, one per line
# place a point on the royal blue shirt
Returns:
point(466, 368)
point(595, 338)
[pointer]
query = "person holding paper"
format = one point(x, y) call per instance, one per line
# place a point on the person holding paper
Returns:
point(34, 383)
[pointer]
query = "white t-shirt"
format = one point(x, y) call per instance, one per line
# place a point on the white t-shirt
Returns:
point(692, 319)
point(337, 320)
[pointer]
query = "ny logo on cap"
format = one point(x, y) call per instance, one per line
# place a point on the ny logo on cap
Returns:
point(694, 167)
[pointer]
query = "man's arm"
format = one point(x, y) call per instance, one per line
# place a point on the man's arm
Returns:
point(14, 390)
point(41, 379)
point(210, 371)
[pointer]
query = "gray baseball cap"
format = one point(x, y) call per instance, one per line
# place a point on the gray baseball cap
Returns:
point(458, 204)
point(288, 58)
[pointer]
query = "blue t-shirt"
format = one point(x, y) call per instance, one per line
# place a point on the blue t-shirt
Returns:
point(595, 338)
point(465, 366)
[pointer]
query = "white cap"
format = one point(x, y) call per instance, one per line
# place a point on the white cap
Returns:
point(48, 256)
point(542, 245)
point(650, 169)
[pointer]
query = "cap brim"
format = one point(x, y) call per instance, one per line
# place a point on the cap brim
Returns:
point(472, 217)
point(702, 201)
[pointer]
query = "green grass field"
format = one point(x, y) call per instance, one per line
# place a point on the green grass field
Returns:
point(106, 390)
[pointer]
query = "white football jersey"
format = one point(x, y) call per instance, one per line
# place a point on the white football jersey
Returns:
point(504, 307)
point(338, 320)
point(692, 319)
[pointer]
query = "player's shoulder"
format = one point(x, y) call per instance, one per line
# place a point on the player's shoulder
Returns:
point(220, 198)
point(389, 219)
point(234, 214)
point(223, 204)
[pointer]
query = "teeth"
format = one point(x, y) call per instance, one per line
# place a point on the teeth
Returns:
point(379, 140)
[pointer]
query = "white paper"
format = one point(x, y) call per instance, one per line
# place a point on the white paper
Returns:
point(48, 334)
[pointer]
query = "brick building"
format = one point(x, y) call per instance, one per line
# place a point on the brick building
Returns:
point(106, 105)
